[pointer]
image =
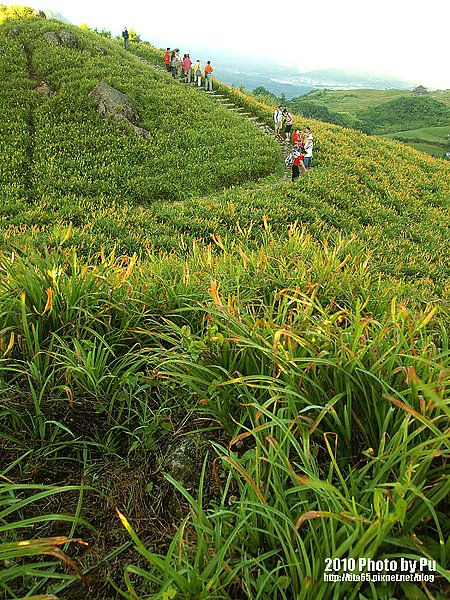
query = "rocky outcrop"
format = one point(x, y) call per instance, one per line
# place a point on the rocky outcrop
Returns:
point(61, 38)
point(13, 33)
point(114, 104)
point(68, 39)
point(52, 38)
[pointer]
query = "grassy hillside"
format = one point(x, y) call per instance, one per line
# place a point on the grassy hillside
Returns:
point(70, 151)
point(432, 140)
point(406, 113)
point(212, 380)
point(353, 101)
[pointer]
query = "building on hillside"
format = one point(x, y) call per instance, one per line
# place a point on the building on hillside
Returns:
point(419, 91)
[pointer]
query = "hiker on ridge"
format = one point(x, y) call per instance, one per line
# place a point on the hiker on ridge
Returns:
point(288, 125)
point(173, 65)
point(208, 77)
point(197, 69)
point(179, 62)
point(187, 64)
point(167, 60)
point(278, 120)
point(298, 163)
point(297, 137)
point(126, 37)
point(309, 145)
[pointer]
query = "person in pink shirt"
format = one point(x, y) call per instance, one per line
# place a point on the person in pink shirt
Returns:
point(288, 124)
point(187, 64)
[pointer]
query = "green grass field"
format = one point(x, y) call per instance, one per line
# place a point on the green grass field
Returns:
point(354, 101)
point(212, 380)
point(386, 112)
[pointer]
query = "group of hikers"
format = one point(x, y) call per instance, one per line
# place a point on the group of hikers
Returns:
point(182, 68)
point(186, 70)
point(300, 157)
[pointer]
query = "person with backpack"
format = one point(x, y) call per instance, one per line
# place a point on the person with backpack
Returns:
point(197, 69)
point(295, 160)
point(126, 37)
point(208, 77)
point(278, 120)
point(167, 60)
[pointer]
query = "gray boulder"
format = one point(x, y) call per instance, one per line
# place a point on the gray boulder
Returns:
point(52, 38)
point(67, 39)
point(2, 51)
point(13, 33)
point(114, 104)
point(184, 459)
point(61, 38)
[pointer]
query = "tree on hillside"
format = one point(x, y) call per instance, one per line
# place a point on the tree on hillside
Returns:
point(104, 33)
point(264, 95)
point(134, 36)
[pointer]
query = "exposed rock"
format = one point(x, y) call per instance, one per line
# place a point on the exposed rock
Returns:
point(13, 33)
point(112, 103)
point(52, 38)
point(61, 38)
point(100, 50)
point(2, 50)
point(67, 39)
point(142, 133)
point(184, 460)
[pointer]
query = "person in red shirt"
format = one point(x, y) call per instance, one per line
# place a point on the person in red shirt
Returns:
point(297, 137)
point(167, 59)
point(298, 163)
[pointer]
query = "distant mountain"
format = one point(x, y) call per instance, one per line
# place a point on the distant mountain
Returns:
point(51, 14)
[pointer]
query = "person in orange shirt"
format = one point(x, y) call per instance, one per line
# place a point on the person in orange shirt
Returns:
point(208, 77)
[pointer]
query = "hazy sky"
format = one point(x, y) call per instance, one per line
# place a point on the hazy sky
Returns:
point(405, 38)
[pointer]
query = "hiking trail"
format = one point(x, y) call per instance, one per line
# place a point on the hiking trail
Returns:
point(228, 103)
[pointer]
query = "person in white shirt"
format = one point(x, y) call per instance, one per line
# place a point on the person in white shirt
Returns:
point(278, 120)
point(197, 69)
point(309, 145)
